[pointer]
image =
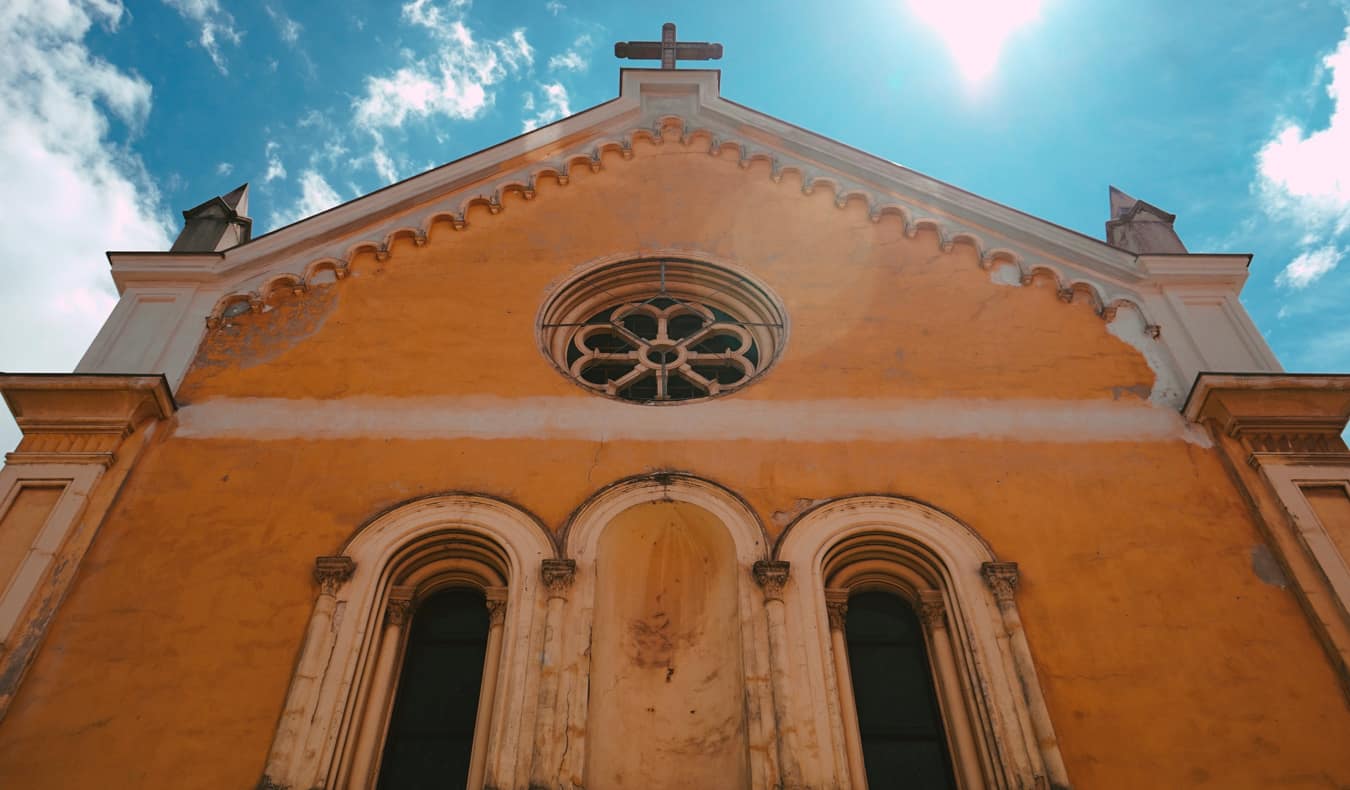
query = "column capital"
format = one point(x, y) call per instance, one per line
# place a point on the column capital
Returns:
point(932, 609)
point(496, 605)
point(332, 571)
point(1002, 579)
point(400, 604)
point(836, 605)
point(771, 575)
point(558, 575)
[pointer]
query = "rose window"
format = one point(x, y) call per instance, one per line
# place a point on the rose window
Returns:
point(661, 331)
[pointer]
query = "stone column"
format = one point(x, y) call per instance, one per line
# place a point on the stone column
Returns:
point(771, 575)
point(1002, 579)
point(331, 572)
point(933, 613)
point(836, 604)
point(557, 575)
point(496, 606)
point(368, 740)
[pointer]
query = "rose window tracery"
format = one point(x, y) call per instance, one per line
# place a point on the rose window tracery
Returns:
point(661, 331)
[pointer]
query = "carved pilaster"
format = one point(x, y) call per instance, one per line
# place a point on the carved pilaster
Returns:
point(332, 571)
point(771, 575)
point(1002, 579)
point(558, 575)
point(836, 605)
point(496, 605)
point(933, 609)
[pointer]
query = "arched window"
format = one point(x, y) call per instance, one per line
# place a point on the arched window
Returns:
point(429, 741)
point(421, 655)
point(899, 722)
point(873, 563)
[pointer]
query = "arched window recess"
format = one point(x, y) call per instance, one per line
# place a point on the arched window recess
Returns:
point(464, 563)
point(951, 607)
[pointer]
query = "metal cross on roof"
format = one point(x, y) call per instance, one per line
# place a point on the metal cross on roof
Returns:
point(668, 50)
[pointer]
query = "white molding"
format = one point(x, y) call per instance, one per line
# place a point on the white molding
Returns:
point(77, 481)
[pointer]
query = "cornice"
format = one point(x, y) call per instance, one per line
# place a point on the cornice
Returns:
point(80, 417)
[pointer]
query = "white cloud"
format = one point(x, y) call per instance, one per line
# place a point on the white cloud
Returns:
point(574, 59)
point(1309, 267)
point(275, 169)
point(224, 169)
point(66, 186)
point(215, 23)
point(315, 195)
point(1304, 175)
point(554, 101)
point(554, 7)
point(288, 29)
point(452, 81)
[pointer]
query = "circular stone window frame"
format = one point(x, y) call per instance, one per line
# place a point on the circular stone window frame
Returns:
point(695, 277)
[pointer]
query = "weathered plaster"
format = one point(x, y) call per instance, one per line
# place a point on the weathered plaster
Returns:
point(549, 418)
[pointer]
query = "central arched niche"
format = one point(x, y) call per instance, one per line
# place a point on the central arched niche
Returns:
point(667, 696)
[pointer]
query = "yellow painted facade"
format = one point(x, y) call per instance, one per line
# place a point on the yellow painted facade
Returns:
point(1169, 654)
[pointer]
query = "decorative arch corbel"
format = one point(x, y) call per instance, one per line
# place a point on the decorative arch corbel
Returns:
point(333, 724)
point(998, 727)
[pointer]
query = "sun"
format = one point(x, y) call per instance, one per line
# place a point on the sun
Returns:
point(974, 30)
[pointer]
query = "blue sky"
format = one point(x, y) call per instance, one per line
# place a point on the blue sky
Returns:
point(1234, 115)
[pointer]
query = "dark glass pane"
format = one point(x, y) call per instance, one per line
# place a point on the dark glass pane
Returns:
point(607, 343)
point(716, 344)
point(682, 326)
point(603, 372)
point(642, 389)
point(431, 729)
point(641, 325)
point(902, 737)
point(680, 388)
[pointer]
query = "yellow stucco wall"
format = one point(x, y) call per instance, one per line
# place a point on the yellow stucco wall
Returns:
point(1166, 661)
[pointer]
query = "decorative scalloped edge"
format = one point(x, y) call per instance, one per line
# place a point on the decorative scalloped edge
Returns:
point(672, 127)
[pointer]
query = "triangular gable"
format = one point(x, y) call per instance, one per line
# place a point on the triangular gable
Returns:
point(684, 107)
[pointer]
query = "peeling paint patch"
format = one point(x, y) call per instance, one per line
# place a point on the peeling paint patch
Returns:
point(593, 419)
point(1267, 568)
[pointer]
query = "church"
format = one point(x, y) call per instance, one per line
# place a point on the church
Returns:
point(672, 445)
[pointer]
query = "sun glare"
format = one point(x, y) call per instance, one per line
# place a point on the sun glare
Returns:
point(974, 30)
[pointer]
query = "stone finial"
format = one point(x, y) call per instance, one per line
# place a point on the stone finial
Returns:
point(932, 609)
point(1002, 579)
point(332, 571)
point(558, 576)
point(836, 606)
point(218, 224)
point(1141, 227)
point(771, 575)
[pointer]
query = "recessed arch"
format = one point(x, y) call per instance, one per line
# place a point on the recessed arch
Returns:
point(332, 728)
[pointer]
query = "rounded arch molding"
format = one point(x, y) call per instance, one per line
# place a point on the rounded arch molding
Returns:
point(998, 726)
point(582, 530)
point(331, 729)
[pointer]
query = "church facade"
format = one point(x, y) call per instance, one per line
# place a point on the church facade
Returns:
point(672, 445)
